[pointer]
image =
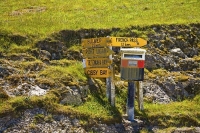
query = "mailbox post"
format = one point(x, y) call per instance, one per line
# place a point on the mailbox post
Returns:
point(132, 69)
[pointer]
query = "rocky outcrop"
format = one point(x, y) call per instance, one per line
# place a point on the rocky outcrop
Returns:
point(154, 93)
point(54, 49)
point(173, 48)
point(73, 95)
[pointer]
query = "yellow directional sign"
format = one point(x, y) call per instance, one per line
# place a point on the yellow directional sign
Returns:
point(127, 42)
point(95, 42)
point(98, 62)
point(98, 72)
point(97, 52)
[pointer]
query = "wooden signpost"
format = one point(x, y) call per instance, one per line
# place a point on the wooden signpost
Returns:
point(97, 62)
point(95, 42)
point(127, 42)
point(98, 72)
point(97, 52)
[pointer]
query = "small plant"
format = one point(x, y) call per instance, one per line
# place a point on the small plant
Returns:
point(75, 48)
point(39, 118)
point(3, 94)
point(48, 118)
point(32, 126)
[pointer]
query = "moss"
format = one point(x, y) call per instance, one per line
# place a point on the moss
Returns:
point(20, 57)
point(179, 77)
point(36, 65)
point(151, 76)
point(160, 72)
point(62, 62)
point(75, 48)
point(45, 81)
point(14, 48)
point(197, 58)
point(3, 94)
point(38, 118)
point(15, 79)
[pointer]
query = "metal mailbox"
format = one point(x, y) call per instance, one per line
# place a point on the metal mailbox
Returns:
point(132, 64)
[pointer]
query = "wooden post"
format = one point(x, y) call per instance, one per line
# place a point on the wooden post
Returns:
point(139, 94)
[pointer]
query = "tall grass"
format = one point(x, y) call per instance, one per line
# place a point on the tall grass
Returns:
point(40, 18)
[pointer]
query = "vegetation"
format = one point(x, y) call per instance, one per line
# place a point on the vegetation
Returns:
point(58, 73)
point(22, 23)
point(97, 108)
point(42, 18)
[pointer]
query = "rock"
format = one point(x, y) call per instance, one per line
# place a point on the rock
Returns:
point(178, 52)
point(84, 91)
point(197, 130)
point(170, 63)
point(188, 64)
point(155, 93)
point(70, 97)
point(44, 55)
point(75, 122)
point(73, 55)
point(26, 89)
point(192, 86)
point(184, 130)
point(190, 51)
point(55, 48)
point(153, 61)
point(4, 72)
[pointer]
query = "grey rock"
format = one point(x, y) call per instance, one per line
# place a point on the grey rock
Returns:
point(71, 97)
point(28, 90)
point(188, 64)
point(178, 52)
point(156, 93)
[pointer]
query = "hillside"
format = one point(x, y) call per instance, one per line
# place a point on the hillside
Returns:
point(43, 87)
point(41, 18)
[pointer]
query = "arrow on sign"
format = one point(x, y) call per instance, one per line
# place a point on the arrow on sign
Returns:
point(98, 62)
point(98, 72)
point(127, 42)
point(95, 42)
point(97, 52)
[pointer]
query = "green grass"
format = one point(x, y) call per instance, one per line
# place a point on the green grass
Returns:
point(59, 73)
point(35, 20)
point(42, 17)
point(97, 108)
point(185, 113)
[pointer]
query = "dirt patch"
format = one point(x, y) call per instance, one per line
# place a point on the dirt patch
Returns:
point(32, 9)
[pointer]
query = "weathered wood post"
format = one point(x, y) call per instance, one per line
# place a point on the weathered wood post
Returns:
point(139, 94)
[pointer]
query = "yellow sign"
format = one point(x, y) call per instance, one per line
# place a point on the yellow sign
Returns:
point(95, 42)
point(98, 72)
point(127, 42)
point(98, 62)
point(96, 52)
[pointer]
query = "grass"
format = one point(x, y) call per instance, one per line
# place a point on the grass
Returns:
point(57, 73)
point(35, 20)
point(185, 113)
point(42, 18)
